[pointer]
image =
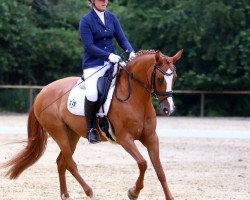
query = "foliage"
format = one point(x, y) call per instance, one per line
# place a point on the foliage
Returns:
point(39, 43)
point(14, 100)
point(57, 54)
point(15, 27)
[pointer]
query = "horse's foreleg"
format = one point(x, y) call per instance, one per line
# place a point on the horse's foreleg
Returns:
point(131, 148)
point(152, 145)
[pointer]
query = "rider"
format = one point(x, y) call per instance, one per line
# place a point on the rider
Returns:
point(97, 29)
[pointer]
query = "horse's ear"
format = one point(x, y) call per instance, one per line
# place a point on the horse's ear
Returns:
point(158, 57)
point(177, 56)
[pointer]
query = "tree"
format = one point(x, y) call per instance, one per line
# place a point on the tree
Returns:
point(40, 42)
point(16, 47)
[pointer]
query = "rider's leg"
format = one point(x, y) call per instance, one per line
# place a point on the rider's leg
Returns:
point(91, 76)
point(90, 114)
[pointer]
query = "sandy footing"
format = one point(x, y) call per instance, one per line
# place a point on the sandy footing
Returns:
point(196, 168)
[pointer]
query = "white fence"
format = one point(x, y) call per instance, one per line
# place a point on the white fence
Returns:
point(201, 92)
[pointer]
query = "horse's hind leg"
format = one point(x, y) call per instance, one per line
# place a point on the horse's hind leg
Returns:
point(73, 140)
point(61, 136)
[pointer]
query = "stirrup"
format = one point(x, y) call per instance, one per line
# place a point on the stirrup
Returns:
point(92, 136)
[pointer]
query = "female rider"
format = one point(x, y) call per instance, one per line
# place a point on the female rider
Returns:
point(97, 30)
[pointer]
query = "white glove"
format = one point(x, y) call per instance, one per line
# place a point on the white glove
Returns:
point(131, 55)
point(114, 58)
point(123, 64)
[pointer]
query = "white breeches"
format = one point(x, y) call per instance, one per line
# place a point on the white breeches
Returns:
point(91, 76)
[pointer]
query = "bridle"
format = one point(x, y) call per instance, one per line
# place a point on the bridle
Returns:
point(153, 77)
point(152, 91)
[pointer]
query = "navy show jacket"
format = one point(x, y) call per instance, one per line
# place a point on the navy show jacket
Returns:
point(97, 38)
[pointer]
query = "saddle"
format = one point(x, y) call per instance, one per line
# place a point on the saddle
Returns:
point(105, 87)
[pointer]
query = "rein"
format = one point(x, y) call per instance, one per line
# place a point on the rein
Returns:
point(129, 75)
point(153, 91)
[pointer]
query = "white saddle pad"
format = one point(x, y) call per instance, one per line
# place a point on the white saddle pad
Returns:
point(76, 99)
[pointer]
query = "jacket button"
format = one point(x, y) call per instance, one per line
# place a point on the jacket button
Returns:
point(105, 47)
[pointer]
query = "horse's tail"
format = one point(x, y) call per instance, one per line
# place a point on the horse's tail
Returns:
point(36, 145)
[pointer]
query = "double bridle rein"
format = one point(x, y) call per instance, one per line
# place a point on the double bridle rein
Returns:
point(153, 91)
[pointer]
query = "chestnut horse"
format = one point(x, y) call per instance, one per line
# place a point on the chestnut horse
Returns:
point(131, 114)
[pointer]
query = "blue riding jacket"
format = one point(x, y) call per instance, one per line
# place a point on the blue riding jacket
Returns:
point(97, 38)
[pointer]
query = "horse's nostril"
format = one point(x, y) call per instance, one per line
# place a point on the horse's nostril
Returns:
point(165, 110)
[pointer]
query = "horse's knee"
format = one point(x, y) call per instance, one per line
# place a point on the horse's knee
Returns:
point(142, 165)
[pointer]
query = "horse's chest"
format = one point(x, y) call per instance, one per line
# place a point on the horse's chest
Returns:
point(135, 127)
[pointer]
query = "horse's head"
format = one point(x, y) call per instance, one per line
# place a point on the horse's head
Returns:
point(163, 76)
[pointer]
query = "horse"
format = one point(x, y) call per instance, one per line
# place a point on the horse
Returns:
point(131, 115)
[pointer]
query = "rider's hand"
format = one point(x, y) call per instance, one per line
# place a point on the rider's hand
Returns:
point(131, 55)
point(122, 63)
point(114, 58)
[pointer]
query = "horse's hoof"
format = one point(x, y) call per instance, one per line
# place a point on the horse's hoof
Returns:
point(66, 198)
point(92, 198)
point(132, 197)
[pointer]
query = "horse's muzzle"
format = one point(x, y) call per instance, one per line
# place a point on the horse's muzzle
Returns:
point(167, 111)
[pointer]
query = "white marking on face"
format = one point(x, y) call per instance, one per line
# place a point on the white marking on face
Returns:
point(169, 80)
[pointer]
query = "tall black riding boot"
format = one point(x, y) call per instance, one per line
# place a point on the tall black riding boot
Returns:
point(90, 114)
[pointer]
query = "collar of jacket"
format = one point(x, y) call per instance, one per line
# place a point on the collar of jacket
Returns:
point(106, 17)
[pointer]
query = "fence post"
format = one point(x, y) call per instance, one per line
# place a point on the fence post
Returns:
point(202, 104)
point(30, 97)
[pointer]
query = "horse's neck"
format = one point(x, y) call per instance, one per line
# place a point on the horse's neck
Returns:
point(140, 67)
point(140, 84)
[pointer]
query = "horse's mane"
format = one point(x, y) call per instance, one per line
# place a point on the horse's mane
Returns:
point(143, 52)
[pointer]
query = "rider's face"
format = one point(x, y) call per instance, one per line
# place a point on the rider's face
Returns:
point(100, 5)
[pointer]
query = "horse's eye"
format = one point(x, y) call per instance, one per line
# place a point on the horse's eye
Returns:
point(160, 80)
